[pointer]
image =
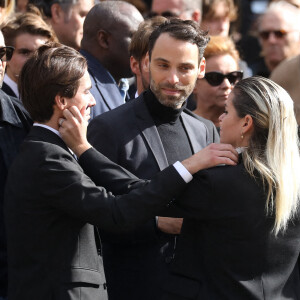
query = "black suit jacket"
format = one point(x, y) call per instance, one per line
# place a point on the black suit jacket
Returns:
point(50, 206)
point(135, 263)
point(226, 250)
point(14, 126)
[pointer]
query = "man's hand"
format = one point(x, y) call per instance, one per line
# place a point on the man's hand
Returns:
point(210, 156)
point(169, 225)
point(73, 130)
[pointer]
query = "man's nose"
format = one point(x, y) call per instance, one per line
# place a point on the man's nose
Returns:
point(92, 101)
point(173, 77)
point(272, 37)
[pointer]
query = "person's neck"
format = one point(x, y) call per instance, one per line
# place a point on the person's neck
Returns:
point(53, 123)
point(209, 113)
point(11, 76)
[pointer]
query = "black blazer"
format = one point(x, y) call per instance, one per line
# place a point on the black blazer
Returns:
point(135, 263)
point(50, 206)
point(226, 249)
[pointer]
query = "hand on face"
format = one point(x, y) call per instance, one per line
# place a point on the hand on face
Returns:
point(73, 130)
point(211, 156)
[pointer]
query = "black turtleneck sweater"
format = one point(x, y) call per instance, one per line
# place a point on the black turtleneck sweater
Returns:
point(170, 128)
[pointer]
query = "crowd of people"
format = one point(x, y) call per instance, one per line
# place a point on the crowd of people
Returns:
point(149, 150)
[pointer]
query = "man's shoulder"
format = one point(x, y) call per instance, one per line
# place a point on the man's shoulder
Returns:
point(122, 112)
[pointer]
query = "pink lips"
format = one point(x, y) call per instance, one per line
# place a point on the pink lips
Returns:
point(170, 92)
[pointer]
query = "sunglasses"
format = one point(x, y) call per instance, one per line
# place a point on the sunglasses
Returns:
point(279, 34)
point(6, 53)
point(216, 78)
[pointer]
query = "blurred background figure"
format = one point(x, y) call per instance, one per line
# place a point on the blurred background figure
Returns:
point(6, 8)
point(221, 74)
point(279, 36)
point(138, 49)
point(182, 9)
point(217, 16)
point(66, 18)
point(26, 32)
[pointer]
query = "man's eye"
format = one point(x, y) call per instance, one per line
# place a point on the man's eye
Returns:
point(25, 52)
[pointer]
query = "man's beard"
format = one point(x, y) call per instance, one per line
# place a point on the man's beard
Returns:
point(169, 100)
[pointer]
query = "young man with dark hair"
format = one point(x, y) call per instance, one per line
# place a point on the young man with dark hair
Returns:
point(51, 205)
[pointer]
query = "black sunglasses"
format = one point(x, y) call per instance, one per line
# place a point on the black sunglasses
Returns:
point(279, 34)
point(216, 78)
point(6, 53)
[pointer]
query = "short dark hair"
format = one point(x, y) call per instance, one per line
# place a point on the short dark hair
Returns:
point(140, 40)
point(184, 30)
point(53, 70)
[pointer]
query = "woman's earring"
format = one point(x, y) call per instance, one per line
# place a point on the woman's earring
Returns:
point(242, 135)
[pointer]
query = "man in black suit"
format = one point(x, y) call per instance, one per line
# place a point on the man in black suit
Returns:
point(145, 136)
point(51, 205)
point(14, 125)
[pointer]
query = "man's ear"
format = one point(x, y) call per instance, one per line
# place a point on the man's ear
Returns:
point(103, 39)
point(134, 65)
point(146, 63)
point(201, 69)
point(58, 15)
point(197, 16)
point(60, 102)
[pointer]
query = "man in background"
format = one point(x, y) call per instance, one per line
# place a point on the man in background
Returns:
point(66, 18)
point(183, 9)
point(108, 29)
point(279, 36)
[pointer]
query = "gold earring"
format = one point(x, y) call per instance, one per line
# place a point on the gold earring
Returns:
point(242, 136)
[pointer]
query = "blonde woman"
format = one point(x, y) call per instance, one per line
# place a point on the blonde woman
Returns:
point(240, 237)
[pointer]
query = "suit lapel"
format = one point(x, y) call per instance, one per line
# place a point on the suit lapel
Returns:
point(150, 133)
point(193, 133)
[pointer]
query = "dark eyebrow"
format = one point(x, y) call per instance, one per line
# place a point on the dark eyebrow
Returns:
point(187, 64)
point(161, 59)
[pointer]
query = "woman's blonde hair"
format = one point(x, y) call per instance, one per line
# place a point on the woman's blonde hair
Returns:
point(273, 152)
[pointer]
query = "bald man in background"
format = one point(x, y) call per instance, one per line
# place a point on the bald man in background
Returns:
point(107, 34)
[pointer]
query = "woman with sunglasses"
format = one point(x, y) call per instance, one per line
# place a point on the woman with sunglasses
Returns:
point(240, 238)
point(221, 74)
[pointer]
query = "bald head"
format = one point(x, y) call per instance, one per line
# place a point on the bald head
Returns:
point(110, 16)
point(107, 33)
